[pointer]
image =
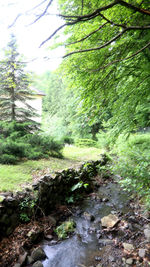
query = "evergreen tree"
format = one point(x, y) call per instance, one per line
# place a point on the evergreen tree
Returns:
point(14, 88)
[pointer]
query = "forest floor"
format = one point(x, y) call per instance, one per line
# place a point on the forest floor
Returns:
point(15, 177)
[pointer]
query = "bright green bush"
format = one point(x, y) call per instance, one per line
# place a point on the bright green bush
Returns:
point(133, 164)
point(83, 142)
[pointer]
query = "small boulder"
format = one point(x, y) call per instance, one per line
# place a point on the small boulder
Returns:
point(22, 258)
point(105, 242)
point(35, 235)
point(52, 220)
point(129, 261)
point(17, 265)
point(30, 260)
point(109, 221)
point(142, 252)
point(38, 254)
point(88, 216)
point(37, 264)
point(147, 234)
point(128, 247)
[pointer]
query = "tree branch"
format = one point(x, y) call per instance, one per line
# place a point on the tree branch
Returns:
point(44, 12)
point(97, 48)
point(87, 36)
point(123, 59)
point(97, 11)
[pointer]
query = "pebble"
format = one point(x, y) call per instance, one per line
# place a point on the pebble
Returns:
point(147, 234)
point(111, 258)
point(129, 261)
point(142, 252)
point(128, 247)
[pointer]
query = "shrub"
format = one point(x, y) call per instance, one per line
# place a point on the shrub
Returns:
point(83, 142)
point(67, 140)
point(133, 164)
point(8, 159)
point(16, 143)
point(11, 152)
point(44, 144)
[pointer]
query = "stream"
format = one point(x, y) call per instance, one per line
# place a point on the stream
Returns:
point(89, 245)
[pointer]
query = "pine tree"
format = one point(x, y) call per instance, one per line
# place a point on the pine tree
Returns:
point(14, 88)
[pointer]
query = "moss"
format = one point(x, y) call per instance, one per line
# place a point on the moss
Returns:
point(65, 229)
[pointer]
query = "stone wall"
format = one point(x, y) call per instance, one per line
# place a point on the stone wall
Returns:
point(48, 191)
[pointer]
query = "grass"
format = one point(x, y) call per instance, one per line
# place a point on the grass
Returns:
point(16, 177)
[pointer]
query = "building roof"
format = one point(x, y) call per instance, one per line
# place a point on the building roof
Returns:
point(37, 92)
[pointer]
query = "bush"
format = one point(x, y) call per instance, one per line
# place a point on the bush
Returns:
point(45, 145)
point(104, 140)
point(133, 164)
point(19, 144)
point(85, 142)
point(8, 159)
point(67, 140)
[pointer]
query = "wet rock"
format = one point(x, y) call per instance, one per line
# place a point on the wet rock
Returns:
point(38, 254)
point(30, 260)
point(88, 216)
point(129, 261)
point(52, 220)
point(98, 236)
point(146, 214)
point(111, 258)
point(142, 252)
point(22, 258)
point(128, 247)
point(53, 242)
point(147, 226)
point(34, 235)
point(92, 230)
point(17, 265)
point(105, 199)
point(48, 237)
point(105, 242)
point(147, 234)
point(109, 221)
point(98, 258)
point(37, 264)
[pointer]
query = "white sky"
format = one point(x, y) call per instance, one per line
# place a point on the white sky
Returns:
point(29, 36)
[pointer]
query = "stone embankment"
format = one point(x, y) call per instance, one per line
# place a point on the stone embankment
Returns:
point(42, 198)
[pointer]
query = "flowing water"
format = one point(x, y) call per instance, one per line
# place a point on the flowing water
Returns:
point(82, 248)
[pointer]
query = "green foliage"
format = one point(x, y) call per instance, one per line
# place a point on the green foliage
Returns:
point(24, 217)
point(67, 140)
point(133, 164)
point(16, 144)
point(27, 208)
point(65, 229)
point(85, 142)
point(79, 185)
point(117, 96)
point(14, 88)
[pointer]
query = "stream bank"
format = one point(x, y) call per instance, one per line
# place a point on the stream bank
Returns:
point(124, 244)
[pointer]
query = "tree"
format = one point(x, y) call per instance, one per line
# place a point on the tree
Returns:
point(14, 88)
point(107, 58)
